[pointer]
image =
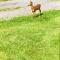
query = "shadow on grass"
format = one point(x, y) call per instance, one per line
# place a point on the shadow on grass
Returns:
point(37, 15)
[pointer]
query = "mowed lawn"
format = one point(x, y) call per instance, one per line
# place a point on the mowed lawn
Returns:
point(28, 38)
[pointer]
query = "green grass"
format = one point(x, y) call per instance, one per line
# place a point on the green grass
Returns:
point(3, 0)
point(28, 38)
point(9, 8)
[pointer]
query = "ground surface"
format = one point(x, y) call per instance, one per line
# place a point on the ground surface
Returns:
point(28, 38)
point(26, 10)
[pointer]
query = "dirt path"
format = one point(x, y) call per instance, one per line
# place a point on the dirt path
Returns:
point(27, 10)
point(10, 14)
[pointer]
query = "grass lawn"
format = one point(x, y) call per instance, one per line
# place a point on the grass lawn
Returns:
point(3, 0)
point(9, 8)
point(28, 38)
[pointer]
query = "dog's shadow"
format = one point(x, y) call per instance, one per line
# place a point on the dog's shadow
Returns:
point(37, 15)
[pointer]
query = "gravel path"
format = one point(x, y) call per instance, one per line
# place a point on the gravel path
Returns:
point(27, 11)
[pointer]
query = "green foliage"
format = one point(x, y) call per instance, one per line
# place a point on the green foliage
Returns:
point(3, 0)
point(28, 38)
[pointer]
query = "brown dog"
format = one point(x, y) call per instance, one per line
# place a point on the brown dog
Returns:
point(35, 8)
